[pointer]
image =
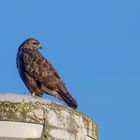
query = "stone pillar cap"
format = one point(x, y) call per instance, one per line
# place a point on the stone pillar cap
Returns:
point(58, 121)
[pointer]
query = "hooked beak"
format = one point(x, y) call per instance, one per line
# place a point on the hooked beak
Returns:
point(40, 47)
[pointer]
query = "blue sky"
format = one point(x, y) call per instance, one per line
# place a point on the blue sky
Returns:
point(94, 45)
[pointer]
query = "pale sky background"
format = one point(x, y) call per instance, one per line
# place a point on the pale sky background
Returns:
point(94, 45)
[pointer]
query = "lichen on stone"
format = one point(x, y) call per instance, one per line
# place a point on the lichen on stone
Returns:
point(59, 121)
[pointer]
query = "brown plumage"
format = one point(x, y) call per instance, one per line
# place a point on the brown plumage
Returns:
point(39, 75)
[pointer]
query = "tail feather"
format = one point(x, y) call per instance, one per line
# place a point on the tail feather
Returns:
point(68, 99)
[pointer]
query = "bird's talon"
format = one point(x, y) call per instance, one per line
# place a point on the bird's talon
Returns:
point(33, 94)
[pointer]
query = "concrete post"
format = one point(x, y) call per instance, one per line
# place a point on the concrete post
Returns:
point(23, 117)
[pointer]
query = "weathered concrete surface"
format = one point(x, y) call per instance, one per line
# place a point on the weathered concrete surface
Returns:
point(60, 122)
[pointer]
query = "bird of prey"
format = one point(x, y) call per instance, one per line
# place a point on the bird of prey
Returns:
point(39, 75)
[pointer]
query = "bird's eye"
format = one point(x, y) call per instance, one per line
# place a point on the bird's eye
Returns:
point(35, 43)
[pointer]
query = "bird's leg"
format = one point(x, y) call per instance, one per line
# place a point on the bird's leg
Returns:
point(33, 94)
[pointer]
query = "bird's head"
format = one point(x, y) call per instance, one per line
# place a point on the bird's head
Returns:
point(31, 43)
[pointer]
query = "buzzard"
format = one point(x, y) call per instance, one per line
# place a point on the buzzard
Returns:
point(39, 75)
